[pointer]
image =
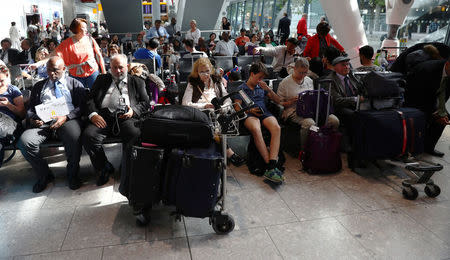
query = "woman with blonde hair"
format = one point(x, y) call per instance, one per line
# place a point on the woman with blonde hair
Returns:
point(203, 86)
point(194, 33)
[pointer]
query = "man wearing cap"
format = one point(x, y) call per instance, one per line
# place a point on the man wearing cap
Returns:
point(346, 89)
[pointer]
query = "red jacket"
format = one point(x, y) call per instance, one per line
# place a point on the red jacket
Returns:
point(301, 27)
point(313, 45)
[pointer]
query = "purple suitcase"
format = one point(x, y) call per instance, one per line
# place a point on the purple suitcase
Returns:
point(307, 104)
point(322, 151)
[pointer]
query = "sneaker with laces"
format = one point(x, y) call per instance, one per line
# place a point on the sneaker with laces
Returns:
point(274, 175)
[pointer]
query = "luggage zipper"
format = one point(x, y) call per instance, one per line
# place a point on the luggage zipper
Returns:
point(405, 133)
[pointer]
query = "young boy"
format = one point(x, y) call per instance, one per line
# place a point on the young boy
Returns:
point(256, 89)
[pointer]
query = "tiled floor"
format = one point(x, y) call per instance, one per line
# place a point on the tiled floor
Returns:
point(340, 216)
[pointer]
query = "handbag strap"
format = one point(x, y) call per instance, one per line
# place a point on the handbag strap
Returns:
point(203, 94)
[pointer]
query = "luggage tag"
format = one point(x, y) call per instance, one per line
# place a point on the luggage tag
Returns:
point(314, 128)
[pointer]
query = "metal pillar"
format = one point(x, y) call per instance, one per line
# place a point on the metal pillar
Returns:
point(274, 12)
point(253, 10)
point(243, 14)
point(261, 18)
point(156, 10)
point(236, 17)
point(288, 9)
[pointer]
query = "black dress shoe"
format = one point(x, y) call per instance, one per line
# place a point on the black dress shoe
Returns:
point(435, 153)
point(104, 174)
point(41, 184)
point(74, 183)
point(236, 160)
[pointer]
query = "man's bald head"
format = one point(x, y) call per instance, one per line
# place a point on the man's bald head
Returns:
point(55, 68)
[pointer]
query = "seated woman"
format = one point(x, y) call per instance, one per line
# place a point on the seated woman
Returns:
point(41, 71)
point(11, 104)
point(113, 49)
point(203, 86)
point(267, 41)
point(252, 44)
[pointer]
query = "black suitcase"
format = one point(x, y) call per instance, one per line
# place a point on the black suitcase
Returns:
point(193, 179)
point(177, 126)
point(145, 176)
point(388, 134)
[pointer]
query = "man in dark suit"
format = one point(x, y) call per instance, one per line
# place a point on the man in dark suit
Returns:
point(283, 28)
point(345, 89)
point(9, 55)
point(112, 92)
point(28, 53)
point(67, 128)
point(428, 90)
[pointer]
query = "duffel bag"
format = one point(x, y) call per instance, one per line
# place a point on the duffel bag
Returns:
point(177, 126)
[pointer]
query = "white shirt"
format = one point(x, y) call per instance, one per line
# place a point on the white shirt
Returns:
point(208, 94)
point(48, 92)
point(107, 102)
point(226, 48)
point(195, 35)
point(195, 53)
point(289, 88)
point(278, 54)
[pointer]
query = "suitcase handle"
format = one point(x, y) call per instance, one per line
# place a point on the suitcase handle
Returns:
point(329, 81)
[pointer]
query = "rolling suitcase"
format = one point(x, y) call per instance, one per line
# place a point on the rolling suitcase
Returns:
point(388, 134)
point(145, 175)
point(322, 150)
point(177, 126)
point(193, 179)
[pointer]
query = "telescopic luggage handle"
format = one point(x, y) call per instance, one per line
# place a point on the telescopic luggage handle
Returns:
point(323, 81)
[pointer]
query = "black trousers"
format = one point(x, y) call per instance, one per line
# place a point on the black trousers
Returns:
point(93, 139)
point(433, 132)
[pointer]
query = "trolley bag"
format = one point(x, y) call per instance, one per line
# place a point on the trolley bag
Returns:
point(145, 172)
point(192, 180)
point(177, 126)
point(307, 104)
point(322, 150)
point(388, 134)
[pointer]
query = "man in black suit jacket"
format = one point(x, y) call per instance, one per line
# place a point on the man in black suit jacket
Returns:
point(9, 55)
point(107, 94)
point(428, 90)
point(28, 53)
point(284, 28)
point(345, 88)
point(67, 128)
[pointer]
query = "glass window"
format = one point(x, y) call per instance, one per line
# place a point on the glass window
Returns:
point(268, 19)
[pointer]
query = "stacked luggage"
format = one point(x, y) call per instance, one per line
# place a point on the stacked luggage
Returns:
point(179, 163)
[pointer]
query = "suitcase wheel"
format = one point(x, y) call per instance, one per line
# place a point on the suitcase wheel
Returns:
point(410, 193)
point(222, 223)
point(432, 190)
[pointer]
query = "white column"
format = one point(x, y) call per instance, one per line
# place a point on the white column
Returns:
point(156, 10)
point(345, 19)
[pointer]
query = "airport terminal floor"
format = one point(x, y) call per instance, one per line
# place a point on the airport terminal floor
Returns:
point(346, 215)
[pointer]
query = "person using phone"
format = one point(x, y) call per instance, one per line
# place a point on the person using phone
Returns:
point(256, 89)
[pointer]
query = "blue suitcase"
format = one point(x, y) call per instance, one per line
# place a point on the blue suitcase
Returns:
point(193, 180)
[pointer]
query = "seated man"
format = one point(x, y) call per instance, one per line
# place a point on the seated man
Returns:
point(225, 47)
point(157, 31)
point(345, 90)
point(283, 55)
point(289, 89)
point(365, 57)
point(189, 46)
point(108, 94)
point(257, 89)
point(150, 52)
point(67, 128)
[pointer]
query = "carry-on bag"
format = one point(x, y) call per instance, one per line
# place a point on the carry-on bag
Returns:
point(388, 134)
point(322, 150)
point(193, 179)
point(177, 126)
point(145, 175)
point(307, 104)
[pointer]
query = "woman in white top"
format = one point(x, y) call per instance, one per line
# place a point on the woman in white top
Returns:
point(193, 33)
point(203, 86)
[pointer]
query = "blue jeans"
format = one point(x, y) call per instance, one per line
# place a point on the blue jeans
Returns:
point(89, 80)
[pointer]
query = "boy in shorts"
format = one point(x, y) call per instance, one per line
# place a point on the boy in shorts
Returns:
point(256, 89)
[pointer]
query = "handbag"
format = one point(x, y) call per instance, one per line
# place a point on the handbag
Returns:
point(7, 125)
